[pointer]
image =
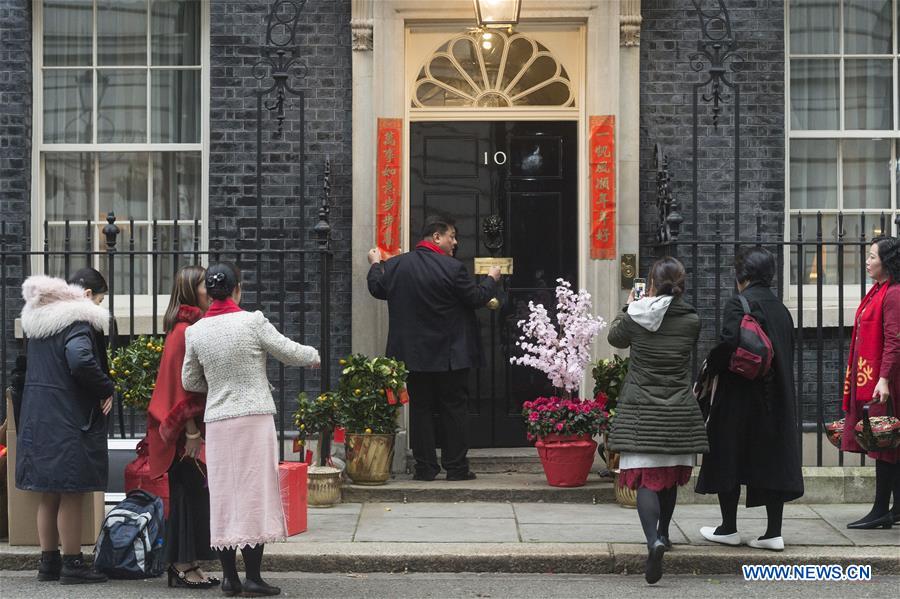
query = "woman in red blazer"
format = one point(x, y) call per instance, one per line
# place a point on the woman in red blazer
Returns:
point(873, 374)
point(175, 435)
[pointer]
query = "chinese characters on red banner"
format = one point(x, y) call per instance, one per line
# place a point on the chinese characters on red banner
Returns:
point(603, 187)
point(387, 196)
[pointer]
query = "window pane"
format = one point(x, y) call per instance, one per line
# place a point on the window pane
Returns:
point(176, 185)
point(122, 114)
point(68, 185)
point(121, 32)
point(75, 242)
point(866, 166)
point(168, 264)
point(814, 26)
point(852, 257)
point(123, 185)
point(176, 106)
point(813, 174)
point(125, 275)
point(867, 26)
point(814, 94)
point(67, 106)
point(867, 94)
point(67, 33)
point(176, 32)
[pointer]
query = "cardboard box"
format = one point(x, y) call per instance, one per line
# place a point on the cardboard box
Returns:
point(22, 505)
point(292, 477)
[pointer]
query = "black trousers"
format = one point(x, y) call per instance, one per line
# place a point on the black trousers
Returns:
point(447, 392)
point(187, 529)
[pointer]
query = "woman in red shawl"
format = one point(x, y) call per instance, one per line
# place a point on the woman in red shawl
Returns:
point(873, 374)
point(174, 421)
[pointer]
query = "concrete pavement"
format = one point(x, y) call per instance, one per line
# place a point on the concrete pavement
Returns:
point(551, 537)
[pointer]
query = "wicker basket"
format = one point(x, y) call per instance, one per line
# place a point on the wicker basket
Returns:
point(625, 496)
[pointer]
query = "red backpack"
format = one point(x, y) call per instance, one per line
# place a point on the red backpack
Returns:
point(753, 357)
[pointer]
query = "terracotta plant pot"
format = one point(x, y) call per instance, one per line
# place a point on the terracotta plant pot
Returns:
point(566, 463)
point(369, 458)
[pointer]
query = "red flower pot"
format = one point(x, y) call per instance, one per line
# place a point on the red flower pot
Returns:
point(566, 463)
point(554, 438)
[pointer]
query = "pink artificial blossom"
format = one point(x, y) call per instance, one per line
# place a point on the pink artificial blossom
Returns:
point(562, 355)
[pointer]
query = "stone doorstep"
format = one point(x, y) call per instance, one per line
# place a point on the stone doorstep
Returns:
point(826, 484)
point(572, 558)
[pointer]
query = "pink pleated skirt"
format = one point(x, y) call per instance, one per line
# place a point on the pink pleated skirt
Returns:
point(244, 494)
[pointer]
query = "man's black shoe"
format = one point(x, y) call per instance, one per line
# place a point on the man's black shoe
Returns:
point(466, 476)
point(424, 477)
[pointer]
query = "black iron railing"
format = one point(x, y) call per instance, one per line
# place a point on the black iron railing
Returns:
point(291, 285)
point(804, 286)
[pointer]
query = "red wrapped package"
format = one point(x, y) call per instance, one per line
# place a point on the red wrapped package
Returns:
point(137, 476)
point(292, 477)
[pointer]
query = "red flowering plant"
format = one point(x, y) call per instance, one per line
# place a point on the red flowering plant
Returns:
point(562, 416)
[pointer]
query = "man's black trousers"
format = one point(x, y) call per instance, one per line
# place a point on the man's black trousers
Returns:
point(447, 393)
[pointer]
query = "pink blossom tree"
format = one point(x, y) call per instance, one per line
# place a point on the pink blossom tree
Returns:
point(561, 353)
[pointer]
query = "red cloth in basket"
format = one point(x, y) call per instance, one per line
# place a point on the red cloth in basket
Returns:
point(292, 478)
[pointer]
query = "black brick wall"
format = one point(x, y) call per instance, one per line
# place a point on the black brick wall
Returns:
point(669, 35)
point(15, 150)
point(291, 191)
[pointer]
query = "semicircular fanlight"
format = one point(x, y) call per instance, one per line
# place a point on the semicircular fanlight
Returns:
point(492, 69)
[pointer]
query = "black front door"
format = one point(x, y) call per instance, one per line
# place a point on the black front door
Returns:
point(527, 174)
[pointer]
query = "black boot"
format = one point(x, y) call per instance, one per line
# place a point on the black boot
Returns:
point(231, 582)
point(254, 585)
point(75, 571)
point(50, 566)
point(880, 516)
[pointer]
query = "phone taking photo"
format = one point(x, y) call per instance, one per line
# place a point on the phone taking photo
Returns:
point(640, 288)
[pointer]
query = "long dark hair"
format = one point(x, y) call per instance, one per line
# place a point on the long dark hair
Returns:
point(184, 293)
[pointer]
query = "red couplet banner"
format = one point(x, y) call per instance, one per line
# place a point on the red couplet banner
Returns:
point(603, 187)
point(387, 196)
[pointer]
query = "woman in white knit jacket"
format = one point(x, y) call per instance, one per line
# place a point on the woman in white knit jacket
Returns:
point(225, 357)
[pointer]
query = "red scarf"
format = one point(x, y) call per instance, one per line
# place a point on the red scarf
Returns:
point(219, 307)
point(433, 247)
point(867, 342)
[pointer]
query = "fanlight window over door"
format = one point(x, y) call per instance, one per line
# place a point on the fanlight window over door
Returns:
point(492, 70)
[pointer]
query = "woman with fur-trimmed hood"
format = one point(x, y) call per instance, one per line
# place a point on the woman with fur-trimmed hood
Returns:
point(62, 450)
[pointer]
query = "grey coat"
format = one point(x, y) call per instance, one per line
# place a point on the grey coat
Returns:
point(656, 411)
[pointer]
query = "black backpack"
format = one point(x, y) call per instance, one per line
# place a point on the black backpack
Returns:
point(130, 544)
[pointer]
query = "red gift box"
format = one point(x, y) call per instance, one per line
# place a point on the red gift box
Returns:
point(137, 476)
point(292, 478)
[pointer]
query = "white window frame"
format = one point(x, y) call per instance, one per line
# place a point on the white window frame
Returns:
point(851, 290)
point(143, 302)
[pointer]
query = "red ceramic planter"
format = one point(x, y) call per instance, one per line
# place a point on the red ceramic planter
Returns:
point(566, 459)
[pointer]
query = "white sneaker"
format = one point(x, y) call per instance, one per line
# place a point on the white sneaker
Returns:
point(773, 544)
point(709, 533)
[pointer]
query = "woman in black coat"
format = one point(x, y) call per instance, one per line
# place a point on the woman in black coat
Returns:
point(62, 451)
point(752, 427)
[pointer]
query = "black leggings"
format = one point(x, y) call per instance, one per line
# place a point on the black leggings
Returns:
point(728, 505)
point(655, 509)
point(252, 563)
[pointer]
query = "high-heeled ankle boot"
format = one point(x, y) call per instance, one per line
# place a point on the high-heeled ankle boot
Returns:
point(50, 566)
point(75, 571)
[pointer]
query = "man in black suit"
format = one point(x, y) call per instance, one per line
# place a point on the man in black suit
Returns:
point(432, 328)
